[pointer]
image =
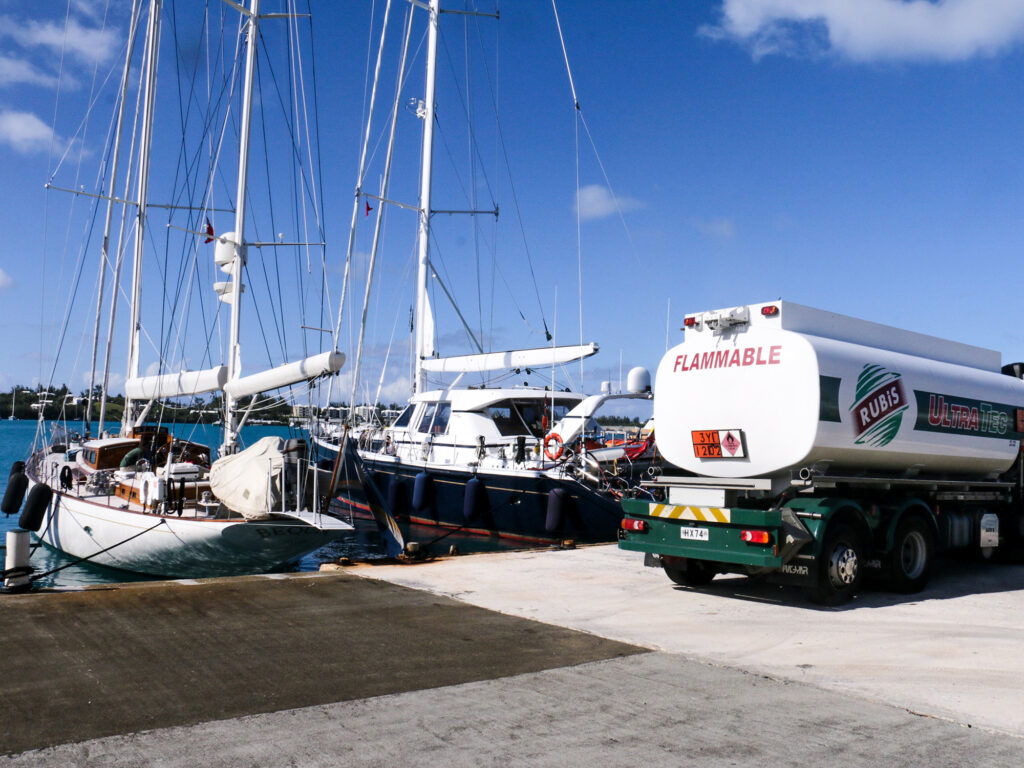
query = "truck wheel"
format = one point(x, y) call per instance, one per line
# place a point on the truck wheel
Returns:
point(841, 566)
point(693, 573)
point(913, 551)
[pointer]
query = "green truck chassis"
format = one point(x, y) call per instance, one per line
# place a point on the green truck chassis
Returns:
point(822, 533)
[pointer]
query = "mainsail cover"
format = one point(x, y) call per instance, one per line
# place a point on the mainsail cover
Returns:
point(514, 358)
point(249, 482)
point(176, 384)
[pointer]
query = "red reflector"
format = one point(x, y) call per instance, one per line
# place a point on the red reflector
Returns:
point(756, 537)
point(689, 322)
point(770, 311)
point(640, 526)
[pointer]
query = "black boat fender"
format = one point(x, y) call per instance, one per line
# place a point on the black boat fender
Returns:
point(16, 467)
point(65, 478)
point(35, 507)
point(398, 496)
point(15, 493)
point(424, 494)
point(558, 508)
point(474, 502)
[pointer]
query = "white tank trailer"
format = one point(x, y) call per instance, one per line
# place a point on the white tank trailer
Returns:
point(823, 446)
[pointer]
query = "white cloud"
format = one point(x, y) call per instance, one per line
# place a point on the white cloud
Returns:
point(24, 132)
point(874, 30)
point(595, 202)
point(15, 71)
point(92, 45)
point(5, 280)
point(717, 227)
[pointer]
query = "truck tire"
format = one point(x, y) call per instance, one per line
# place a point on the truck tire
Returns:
point(841, 565)
point(693, 573)
point(912, 556)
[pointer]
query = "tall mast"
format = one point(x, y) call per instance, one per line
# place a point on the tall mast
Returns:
point(427, 114)
point(234, 349)
point(151, 57)
point(105, 248)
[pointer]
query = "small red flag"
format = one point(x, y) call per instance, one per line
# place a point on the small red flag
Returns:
point(368, 209)
point(209, 232)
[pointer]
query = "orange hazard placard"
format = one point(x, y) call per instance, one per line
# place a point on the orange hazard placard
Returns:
point(718, 443)
point(706, 444)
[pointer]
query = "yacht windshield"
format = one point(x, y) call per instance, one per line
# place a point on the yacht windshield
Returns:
point(435, 418)
point(525, 417)
point(404, 417)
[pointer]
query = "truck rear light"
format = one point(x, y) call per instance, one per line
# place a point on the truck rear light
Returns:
point(770, 311)
point(689, 322)
point(638, 526)
point(756, 537)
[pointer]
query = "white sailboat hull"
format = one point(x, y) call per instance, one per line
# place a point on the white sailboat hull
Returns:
point(176, 547)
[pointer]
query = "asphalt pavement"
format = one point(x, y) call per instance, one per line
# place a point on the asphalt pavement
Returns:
point(568, 658)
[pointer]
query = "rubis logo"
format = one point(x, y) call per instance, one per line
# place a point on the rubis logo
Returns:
point(878, 406)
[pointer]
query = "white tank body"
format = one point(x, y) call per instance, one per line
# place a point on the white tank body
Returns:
point(756, 392)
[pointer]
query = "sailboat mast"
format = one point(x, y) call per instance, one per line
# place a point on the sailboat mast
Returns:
point(427, 114)
point(152, 55)
point(234, 348)
point(105, 248)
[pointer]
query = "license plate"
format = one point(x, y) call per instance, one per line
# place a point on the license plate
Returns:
point(694, 534)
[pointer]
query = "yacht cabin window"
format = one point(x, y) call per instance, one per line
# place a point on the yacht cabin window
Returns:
point(524, 417)
point(404, 417)
point(435, 418)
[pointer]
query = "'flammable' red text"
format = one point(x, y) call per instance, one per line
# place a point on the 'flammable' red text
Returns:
point(727, 358)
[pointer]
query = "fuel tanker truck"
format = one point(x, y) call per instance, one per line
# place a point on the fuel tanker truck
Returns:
point(814, 448)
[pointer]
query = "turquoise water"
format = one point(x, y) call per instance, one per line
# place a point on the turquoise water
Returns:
point(16, 443)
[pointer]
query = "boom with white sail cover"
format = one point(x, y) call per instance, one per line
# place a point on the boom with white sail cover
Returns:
point(177, 384)
point(514, 358)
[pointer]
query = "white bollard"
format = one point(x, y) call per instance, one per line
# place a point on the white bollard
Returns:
point(18, 542)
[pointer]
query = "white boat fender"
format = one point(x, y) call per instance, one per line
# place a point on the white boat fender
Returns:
point(424, 494)
point(474, 502)
point(65, 478)
point(35, 507)
point(398, 496)
point(15, 493)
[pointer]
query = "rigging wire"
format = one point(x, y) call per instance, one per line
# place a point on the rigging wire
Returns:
point(515, 201)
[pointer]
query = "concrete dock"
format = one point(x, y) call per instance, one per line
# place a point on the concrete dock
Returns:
point(579, 657)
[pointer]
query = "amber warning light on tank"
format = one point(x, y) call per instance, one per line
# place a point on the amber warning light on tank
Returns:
point(770, 310)
point(638, 526)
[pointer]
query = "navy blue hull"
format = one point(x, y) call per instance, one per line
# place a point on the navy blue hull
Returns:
point(527, 506)
point(514, 507)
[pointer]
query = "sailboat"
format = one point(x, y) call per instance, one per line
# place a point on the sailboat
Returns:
point(501, 461)
point(147, 500)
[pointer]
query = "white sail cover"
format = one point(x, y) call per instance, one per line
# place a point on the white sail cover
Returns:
point(176, 384)
point(249, 482)
point(515, 358)
point(286, 375)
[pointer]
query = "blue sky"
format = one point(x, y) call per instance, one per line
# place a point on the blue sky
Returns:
point(860, 157)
